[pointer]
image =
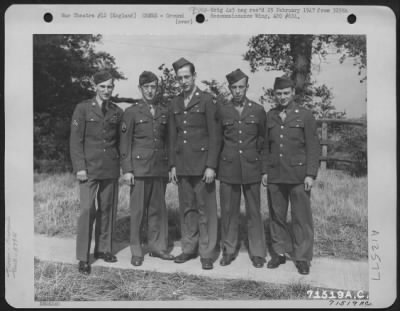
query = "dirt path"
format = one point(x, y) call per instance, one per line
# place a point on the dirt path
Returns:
point(325, 272)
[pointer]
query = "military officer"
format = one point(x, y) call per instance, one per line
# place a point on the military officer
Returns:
point(242, 126)
point(95, 159)
point(291, 165)
point(193, 160)
point(145, 167)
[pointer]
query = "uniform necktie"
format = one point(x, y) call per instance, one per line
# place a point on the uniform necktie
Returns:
point(282, 115)
point(152, 110)
point(104, 108)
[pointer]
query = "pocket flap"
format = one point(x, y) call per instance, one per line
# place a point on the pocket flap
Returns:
point(296, 123)
point(143, 120)
point(252, 156)
point(226, 158)
point(142, 154)
point(199, 147)
point(92, 118)
point(251, 120)
point(298, 160)
point(227, 122)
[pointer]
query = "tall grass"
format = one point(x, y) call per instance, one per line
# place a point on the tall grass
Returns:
point(62, 282)
point(339, 204)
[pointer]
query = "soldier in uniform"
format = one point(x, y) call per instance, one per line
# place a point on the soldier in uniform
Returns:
point(95, 158)
point(291, 163)
point(193, 161)
point(145, 167)
point(242, 126)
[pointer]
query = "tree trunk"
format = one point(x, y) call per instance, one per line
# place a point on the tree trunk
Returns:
point(301, 49)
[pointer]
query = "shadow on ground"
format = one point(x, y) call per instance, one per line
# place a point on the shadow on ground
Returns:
point(121, 237)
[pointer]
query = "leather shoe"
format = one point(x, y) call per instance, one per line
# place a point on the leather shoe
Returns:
point(84, 267)
point(227, 259)
point(163, 255)
point(258, 261)
point(276, 261)
point(136, 260)
point(184, 257)
point(206, 263)
point(107, 257)
point(303, 267)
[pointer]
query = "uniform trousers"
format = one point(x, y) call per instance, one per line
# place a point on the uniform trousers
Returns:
point(230, 195)
point(297, 240)
point(198, 216)
point(105, 192)
point(149, 218)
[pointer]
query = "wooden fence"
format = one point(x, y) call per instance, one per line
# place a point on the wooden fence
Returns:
point(323, 123)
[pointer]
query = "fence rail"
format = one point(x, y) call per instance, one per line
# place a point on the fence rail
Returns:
point(325, 141)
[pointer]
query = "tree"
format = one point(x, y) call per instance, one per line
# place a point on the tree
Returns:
point(169, 86)
point(292, 54)
point(62, 70)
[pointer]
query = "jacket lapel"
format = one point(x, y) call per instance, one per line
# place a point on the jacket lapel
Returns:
point(179, 104)
point(246, 109)
point(276, 117)
point(96, 108)
point(292, 114)
point(234, 112)
point(194, 100)
point(145, 109)
point(159, 112)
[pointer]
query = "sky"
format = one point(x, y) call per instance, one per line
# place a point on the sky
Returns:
point(216, 56)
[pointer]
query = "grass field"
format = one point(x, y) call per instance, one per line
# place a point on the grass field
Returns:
point(62, 282)
point(339, 204)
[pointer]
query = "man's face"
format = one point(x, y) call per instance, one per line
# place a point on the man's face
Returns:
point(239, 90)
point(284, 96)
point(186, 79)
point(105, 89)
point(149, 90)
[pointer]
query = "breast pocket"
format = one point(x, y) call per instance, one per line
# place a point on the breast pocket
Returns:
point(143, 126)
point(251, 125)
point(94, 125)
point(296, 130)
point(197, 116)
point(228, 126)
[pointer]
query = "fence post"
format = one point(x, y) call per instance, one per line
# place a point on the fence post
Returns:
point(324, 137)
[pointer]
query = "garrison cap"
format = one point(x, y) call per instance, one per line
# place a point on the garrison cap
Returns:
point(102, 76)
point(147, 77)
point(235, 76)
point(283, 83)
point(180, 63)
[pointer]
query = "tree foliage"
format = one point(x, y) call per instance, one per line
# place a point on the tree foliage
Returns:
point(62, 70)
point(292, 54)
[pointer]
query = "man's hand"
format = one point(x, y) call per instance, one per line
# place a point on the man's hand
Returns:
point(209, 175)
point(308, 183)
point(172, 175)
point(82, 176)
point(264, 180)
point(129, 179)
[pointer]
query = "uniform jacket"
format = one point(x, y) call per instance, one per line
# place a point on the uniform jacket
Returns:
point(94, 139)
point(194, 143)
point(240, 161)
point(143, 146)
point(292, 147)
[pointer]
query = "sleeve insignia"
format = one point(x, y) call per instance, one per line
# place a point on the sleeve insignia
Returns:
point(75, 123)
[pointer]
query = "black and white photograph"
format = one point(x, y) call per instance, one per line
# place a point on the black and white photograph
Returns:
point(218, 167)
